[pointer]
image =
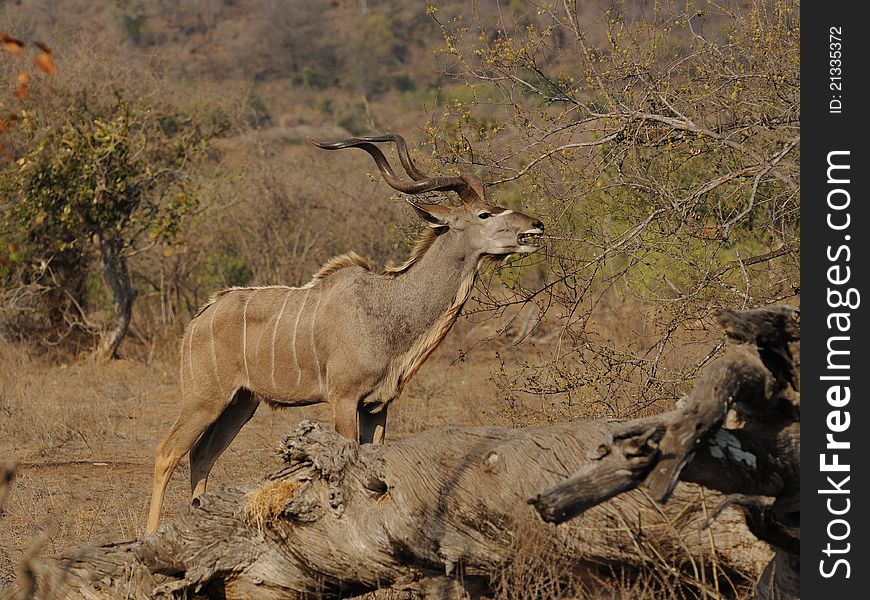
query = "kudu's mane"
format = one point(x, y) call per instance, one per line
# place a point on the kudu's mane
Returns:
point(352, 259)
point(343, 261)
point(337, 263)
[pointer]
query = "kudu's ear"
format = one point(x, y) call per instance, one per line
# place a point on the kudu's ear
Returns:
point(435, 215)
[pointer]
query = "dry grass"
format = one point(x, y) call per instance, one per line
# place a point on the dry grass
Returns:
point(84, 434)
point(541, 569)
point(83, 437)
point(268, 501)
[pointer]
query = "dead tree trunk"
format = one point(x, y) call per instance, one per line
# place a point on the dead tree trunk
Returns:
point(455, 505)
point(757, 464)
point(114, 266)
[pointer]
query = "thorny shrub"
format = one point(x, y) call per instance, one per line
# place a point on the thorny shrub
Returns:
point(660, 145)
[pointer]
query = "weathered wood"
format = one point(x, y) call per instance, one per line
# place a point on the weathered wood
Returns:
point(771, 326)
point(623, 467)
point(759, 462)
point(654, 451)
point(732, 380)
point(453, 504)
point(343, 519)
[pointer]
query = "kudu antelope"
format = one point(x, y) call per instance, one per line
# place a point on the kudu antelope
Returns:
point(353, 336)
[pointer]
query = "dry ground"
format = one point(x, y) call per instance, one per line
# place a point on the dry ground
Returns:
point(84, 436)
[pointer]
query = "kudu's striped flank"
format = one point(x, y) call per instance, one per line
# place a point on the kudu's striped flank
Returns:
point(352, 336)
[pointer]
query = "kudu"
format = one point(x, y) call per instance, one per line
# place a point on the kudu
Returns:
point(353, 336)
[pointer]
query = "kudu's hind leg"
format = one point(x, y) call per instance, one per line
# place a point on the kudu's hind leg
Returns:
point(195, 418)
point(217, 438)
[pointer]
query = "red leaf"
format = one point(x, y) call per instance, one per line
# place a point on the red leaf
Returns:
point(11, 45)
point(21, 92)
point(44, 63)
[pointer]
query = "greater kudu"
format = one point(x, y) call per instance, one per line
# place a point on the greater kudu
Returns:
point(353, 336)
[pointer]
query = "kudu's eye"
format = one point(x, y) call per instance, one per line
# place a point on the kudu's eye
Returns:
point(484, 215)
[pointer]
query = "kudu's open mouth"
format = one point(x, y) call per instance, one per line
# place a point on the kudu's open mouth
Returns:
point(527, 240)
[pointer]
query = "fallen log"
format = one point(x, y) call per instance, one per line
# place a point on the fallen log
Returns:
point(758, 464)
point(448, 508)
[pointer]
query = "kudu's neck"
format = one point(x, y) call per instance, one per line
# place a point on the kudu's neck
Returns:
point(432, 286)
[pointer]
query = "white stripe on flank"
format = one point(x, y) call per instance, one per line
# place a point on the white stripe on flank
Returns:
point(314, 344)
point(245, 340)
point(293, 344)
point(190, 351)
point(274, 333)
point(213, 349)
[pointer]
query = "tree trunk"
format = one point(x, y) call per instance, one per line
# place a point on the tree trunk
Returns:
point(114, 265)
point(453, 507)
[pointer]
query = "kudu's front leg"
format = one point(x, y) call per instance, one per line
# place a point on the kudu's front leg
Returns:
point(345, 420)
point(372, 426)
point(354, 422)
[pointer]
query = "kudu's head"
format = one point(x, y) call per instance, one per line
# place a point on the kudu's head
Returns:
point(486, 229)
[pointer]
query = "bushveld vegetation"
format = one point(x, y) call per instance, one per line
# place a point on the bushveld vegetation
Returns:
point(163, 157)
point(662, 144)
